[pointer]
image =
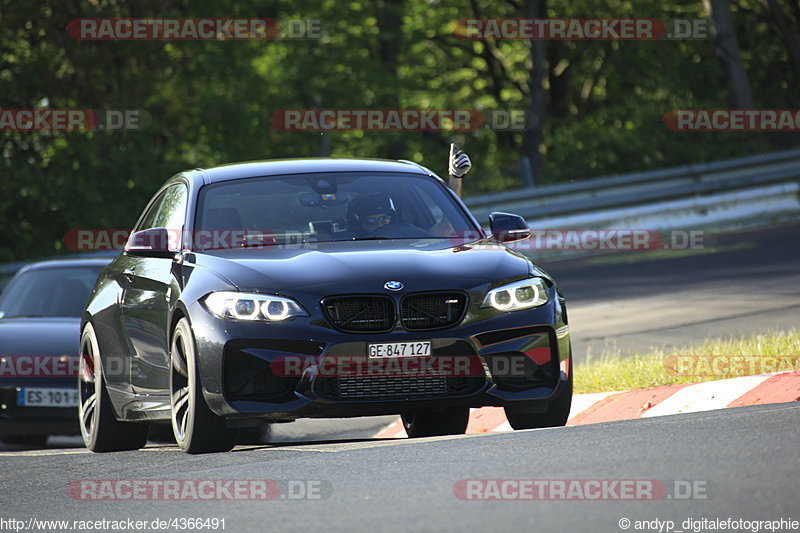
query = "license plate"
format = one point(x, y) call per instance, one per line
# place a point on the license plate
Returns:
point(47, 397)
point(399, 349)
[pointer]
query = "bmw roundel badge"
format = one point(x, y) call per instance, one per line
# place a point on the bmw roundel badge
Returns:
point(393, 285)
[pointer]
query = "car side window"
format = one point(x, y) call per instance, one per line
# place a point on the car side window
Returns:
point(167, 211)
point(149, 218)
point(172, 209)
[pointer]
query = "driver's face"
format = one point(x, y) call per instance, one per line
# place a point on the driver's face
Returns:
point(373, 222)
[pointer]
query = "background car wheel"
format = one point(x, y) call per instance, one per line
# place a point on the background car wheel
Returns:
point(100, 429)
point(25, 440)
point(196, 428)
point(449, 421)
point(557, 410)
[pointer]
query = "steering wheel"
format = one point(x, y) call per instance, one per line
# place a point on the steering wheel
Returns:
point(401, 230)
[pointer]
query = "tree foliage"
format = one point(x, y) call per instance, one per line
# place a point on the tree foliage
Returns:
point(211, 101)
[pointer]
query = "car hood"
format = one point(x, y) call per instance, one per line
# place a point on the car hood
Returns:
point(365, 266)
point(40, 336)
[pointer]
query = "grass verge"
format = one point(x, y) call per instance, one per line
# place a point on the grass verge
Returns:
point(714, 359)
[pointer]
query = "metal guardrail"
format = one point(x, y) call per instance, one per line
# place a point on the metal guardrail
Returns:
point(641, 188)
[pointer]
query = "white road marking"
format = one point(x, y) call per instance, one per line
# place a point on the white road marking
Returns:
point(505, 426)
point(581, 402)
point(41, 453)
point(705, 396)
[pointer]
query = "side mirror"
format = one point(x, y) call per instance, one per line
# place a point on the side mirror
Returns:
point(508, 228)
point(153, 242)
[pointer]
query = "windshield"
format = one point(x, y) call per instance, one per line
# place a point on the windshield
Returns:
point(49, 292)
point(326, 207)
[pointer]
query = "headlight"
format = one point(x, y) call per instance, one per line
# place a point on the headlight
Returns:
point(251, 306)
point(518, 295)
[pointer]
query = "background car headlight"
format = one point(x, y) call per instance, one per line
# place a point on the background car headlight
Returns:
point(251, 306)
point(518, 295)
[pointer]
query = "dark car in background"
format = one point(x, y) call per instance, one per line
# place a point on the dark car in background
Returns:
point(271, 291)
point(40, 312)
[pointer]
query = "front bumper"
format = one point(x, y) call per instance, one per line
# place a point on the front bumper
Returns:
point(24, 420)
point(513, 358)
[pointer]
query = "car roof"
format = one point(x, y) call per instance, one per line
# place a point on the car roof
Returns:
point(277, 167)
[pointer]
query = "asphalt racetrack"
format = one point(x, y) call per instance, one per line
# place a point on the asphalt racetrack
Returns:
point(743, 462)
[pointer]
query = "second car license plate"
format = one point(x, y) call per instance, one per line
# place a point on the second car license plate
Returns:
point(47, 397)
point(399, 349)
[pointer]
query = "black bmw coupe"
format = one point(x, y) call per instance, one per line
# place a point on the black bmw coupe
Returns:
point(270, 291)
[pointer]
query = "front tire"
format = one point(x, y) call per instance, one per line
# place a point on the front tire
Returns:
point(449, 421)
point(196, 428)
point(556, 415)
point(100, 429)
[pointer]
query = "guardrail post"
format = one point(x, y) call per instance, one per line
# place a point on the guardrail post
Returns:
point(525, 171)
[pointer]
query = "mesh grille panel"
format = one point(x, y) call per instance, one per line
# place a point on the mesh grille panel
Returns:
point(360, 313)
point(432, 310)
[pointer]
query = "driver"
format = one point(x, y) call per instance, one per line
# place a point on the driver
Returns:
point(366, 214)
